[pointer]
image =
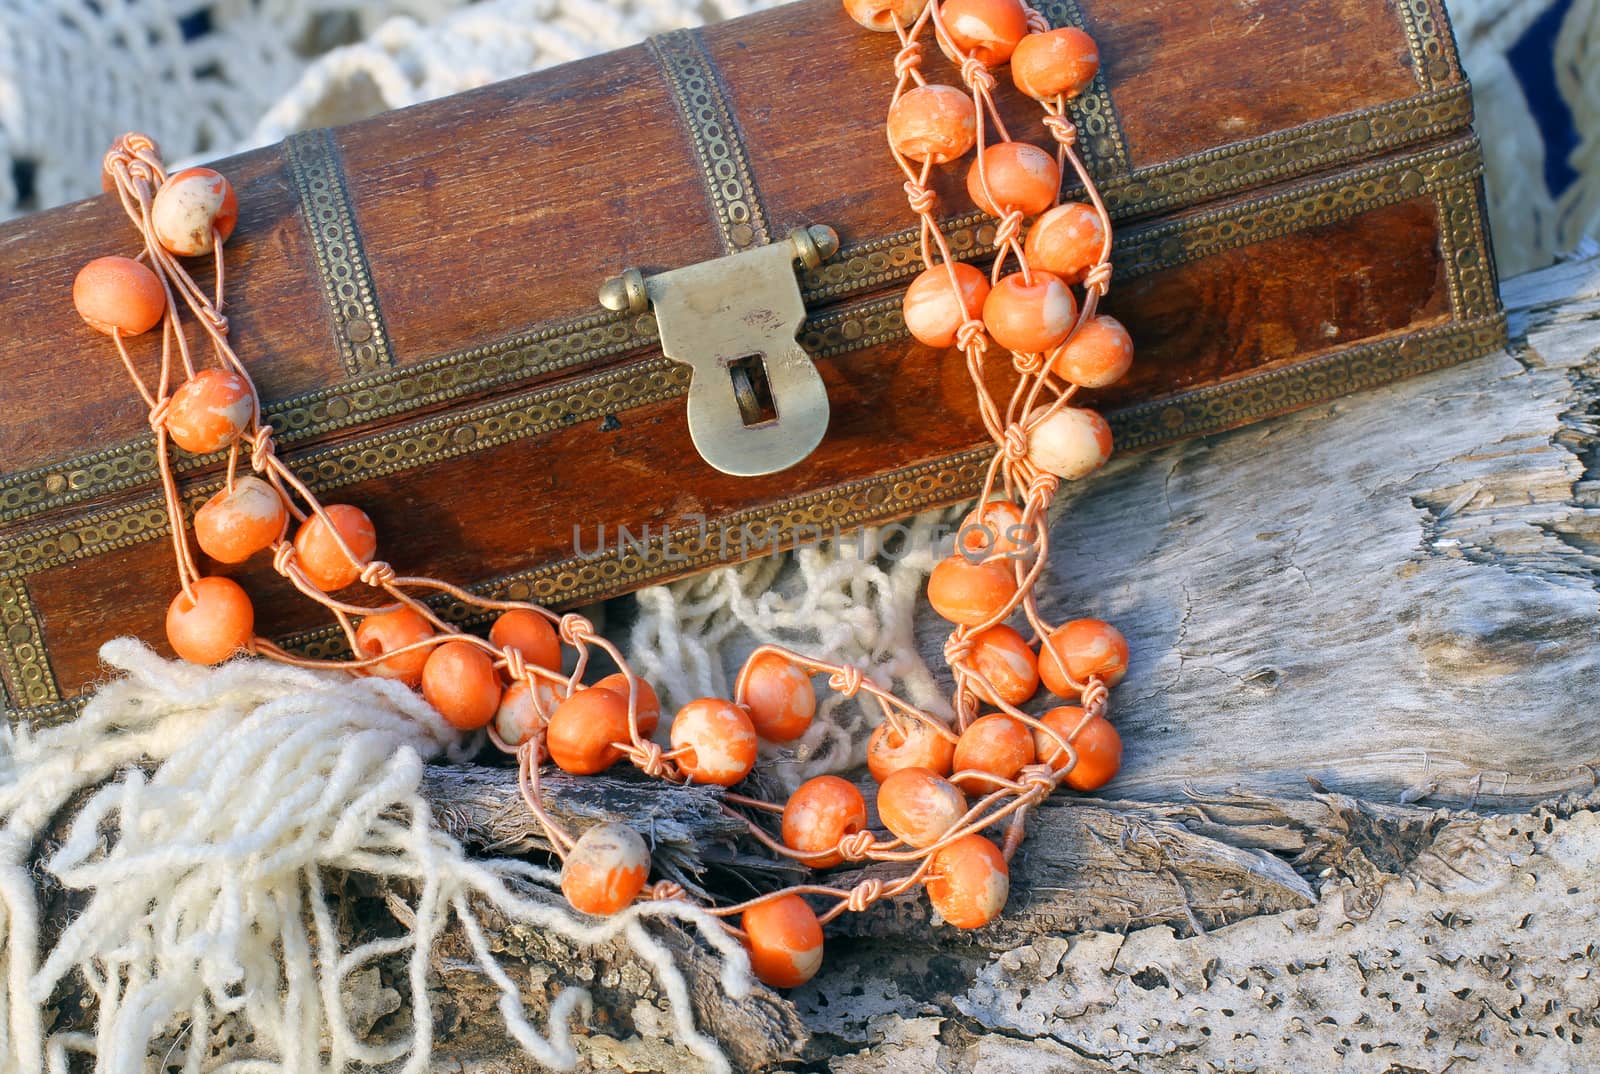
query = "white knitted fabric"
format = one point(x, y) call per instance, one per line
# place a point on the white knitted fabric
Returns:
point(200, 876)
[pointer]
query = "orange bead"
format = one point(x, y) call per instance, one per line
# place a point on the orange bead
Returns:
point(1089, 647)
point(209, 412)
point(217, 623)
point(518, 718)
point(605, 869)
point(995, 744)
point(920, 806)
point(779, 697)
point(585, 729)
point(933, 313)
point(971, 593)
point(1071, 443)
point(189, 207)
point(988, 30)
point(995, 529)
point(649, 705)
point(1009, 668)
point(1096, 355)
point(387, 631)
point(323, 562)
point(1098, 746)
point(118, 294)
point(933, 123)
point(916, 746)
point(1021, 177)
point(237, 523)
point(969, 882)
point(884, 15)
point(821, 812)
point(459, 680)
point(1029, 317)
point(784, 939)
point(531, 634)
point(1066, 241)
point(1060, 61)
point(718, 739)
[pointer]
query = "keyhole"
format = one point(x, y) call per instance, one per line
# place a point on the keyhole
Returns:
point(752, 391)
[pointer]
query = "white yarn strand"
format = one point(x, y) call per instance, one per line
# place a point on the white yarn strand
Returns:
point(230, 792)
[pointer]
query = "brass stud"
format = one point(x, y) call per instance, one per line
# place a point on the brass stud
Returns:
point(625, 292)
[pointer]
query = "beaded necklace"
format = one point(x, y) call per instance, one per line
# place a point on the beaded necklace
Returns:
point(942, 785)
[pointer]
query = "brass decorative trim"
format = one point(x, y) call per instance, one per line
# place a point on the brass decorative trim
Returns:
point(1271, 158)
point(1367, 365)
point(1464, 244)
point(1433, 54)
point(31, 682)
point(1100, 139)
point(724, 160)
point(359, 334)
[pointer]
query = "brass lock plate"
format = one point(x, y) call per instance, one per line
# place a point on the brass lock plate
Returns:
point(756, 403)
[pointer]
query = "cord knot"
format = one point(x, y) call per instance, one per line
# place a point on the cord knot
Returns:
point(1027, 362)
point(957, 649)
point(1037, 23)
point(921, 199)
point(377, 574)
point(1008, 229)
point(575, 630)
point(158, 414)
point(1014, 442)
point(1062, 129)
point(663, 890)
point(863, 895)
point(1098, 279)
point(648, 758)
point(283, 557)
point(972, 335)
point(1042, 488)
point(975, 73)
point(857, 845)
point(516, 666)
point(261, 449)
point(1096, 696)
point(908, 59)
point(1039, 779)
point(846, 681)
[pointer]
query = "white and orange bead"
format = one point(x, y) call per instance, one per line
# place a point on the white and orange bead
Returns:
point(779, 697)
point(919, 806)
point(210, 412)
point(970, 593)
point(994, 745)
point(240, 521)
point(318, 553)
point(1071, 443)
point(986, 30)
point(606, 869)
point(784, 940)
point(1089, 647)
point(932, 310)
point(118, 294)
point(586, 730)
point(884, 15)
point(1007, 668)
point(1097, 355)
point(819, 813)
point(995, 529)
point(398, 628)
point(911, 744)
point(216, 622)
point(969, 882)
point(1066, 240)
point(1014, 177)
point(1059, 62)
point(933, 124)
point(716, 739)
point(1029, 316)
point(192, 210)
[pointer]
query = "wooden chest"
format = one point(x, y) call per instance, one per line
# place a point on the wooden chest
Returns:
point(1297, 188)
